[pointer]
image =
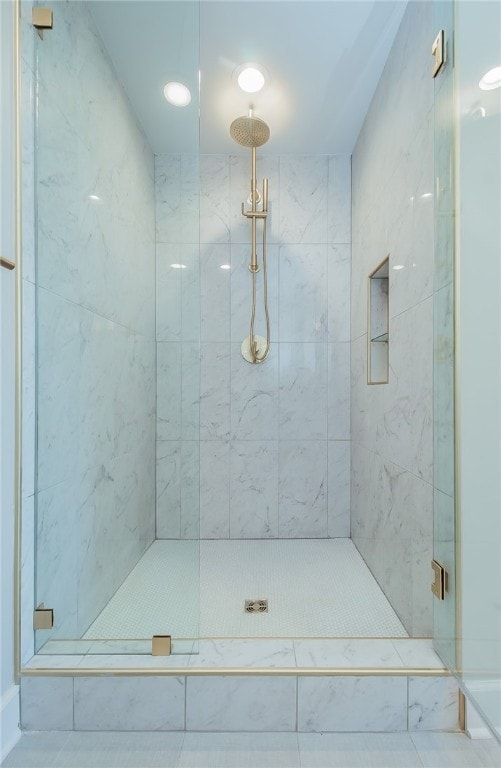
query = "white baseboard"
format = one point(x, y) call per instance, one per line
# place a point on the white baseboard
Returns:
point(9, 727)
point(474, 726)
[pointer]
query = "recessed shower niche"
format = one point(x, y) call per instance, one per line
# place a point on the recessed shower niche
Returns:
point(378, 324)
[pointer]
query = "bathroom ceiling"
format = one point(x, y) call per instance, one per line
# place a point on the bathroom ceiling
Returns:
point(324, 60)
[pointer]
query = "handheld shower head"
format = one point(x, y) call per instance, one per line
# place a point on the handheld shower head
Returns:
point(249, 131)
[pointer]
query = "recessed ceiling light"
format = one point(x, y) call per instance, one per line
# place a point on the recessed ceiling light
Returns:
point(491, 80)
point(178, 266)
point(177, 94)
point(250, 77)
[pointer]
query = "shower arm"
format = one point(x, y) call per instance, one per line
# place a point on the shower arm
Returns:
point(254, 214)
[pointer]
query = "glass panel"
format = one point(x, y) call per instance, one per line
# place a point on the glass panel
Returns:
point(117, 549)
point(478, 54)
point(443, 364)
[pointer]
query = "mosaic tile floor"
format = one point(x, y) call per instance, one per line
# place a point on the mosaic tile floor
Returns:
point(314, 588)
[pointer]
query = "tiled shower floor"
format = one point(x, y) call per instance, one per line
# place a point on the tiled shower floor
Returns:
point(314, 587)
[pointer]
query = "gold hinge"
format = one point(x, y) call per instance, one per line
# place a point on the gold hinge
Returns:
point(161, 645)
point(438, 52)
point(440, 582)
point(41, 18)
point(43, 618)
point(462, 711)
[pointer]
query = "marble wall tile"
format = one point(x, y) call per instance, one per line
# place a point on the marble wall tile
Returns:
point(347, 704)
point(443, 415)
point(214, 489)
point(239, 402)
point(240, 704)
point(417, 653)
point(168, 494)
point(303, 293)
point(96, 326)
point(404, 431)
point(177, 184)
point(303, 489)
point(339, 392)
point(169, 391)
point(339, 278)
point(241, 294)
point(433, 704)
point(391, 424)
point(107, 551)
point(190, 390)
point(190, 489)
point(215, 294)
point(27, 578)
point(28, 150)
point(57, 558)
point(153, 703)
point(106, 228)
point(391, 526)
point(253, 489)
point(346, 653)
point(47, 703)
point(339, 199)
point(254, 398)
point(244, 653)
point(214, 199)
point(338, 484)
point(178, 292)
point(303, 391)
point(190, 293)
point(168, 291)
point(29, 391)
point(240, 173)
point(303, 198)
point(215, 392)
point(168, 198)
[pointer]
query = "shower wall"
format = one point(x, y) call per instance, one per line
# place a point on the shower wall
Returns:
point(274, 438)
point(392, 438)
point(96, 325)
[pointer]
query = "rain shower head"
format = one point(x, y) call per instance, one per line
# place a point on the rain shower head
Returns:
point(249, 131)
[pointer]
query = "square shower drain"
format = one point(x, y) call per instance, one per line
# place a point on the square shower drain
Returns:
point(256, 606)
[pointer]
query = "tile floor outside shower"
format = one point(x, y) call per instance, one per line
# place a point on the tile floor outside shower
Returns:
point(252, 750)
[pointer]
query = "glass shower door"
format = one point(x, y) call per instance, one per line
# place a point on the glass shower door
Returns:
point(117, 487)
point(478, 61)
point(444, 611)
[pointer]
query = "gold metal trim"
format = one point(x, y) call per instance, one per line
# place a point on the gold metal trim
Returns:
point(7, 263)
point(43, 618)
point(161, 645)
point(234, 672)
point(462, 711)
point(457, 377)
point(369, 278)
point(438, 51)
point(440, 581)
point(18, 338)
point(41, 18)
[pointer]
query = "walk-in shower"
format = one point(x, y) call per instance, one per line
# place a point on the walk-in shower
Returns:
point(251, 131)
